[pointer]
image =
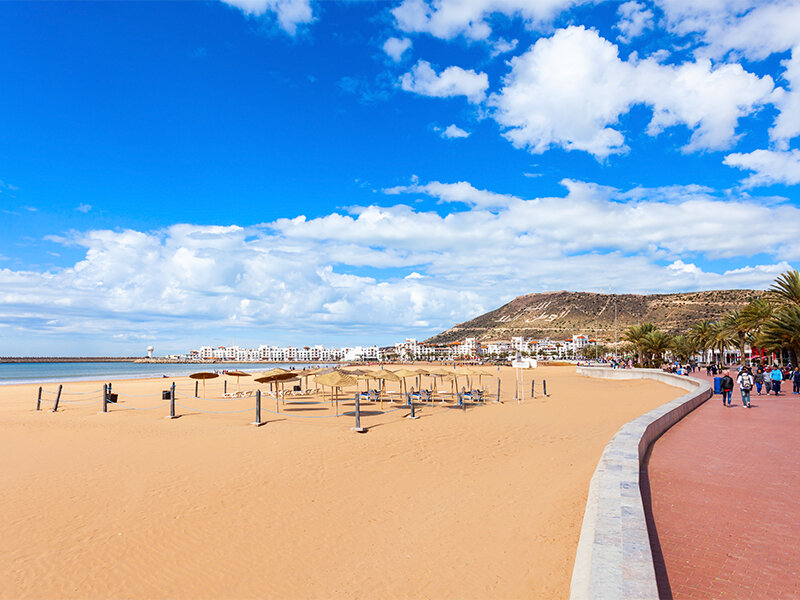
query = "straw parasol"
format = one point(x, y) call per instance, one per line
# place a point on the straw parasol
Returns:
point(203, 375)
point(336, 379)
point(237, 374)
point(403, 374)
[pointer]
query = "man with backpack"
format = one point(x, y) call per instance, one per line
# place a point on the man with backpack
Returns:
point(726, 387)
point(745, 382)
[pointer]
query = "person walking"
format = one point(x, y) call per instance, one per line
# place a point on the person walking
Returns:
point(796, 380)
point(776, 377)
point(726, 387)
point(758, 379)
point(745, 381)
point(767, 381)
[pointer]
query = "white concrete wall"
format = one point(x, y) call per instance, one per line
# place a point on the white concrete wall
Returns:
point(614, 560)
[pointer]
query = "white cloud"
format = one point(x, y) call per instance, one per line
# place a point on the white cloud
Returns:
point(453, 81)
point(447, 19)
point(769, 166)
point(289, 13)
point(298, 275)
point(396, 47)
point(635, 18)
point(453, 131)
point(787, 123)
point(570, 90)
point(750, 27)
point(462, 191)
point(502, 46)
point(84, 208)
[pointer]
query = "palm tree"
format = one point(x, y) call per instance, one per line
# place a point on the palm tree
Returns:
point(737, 325)
point(654, 344)
point(721, 339)
point(635, 335)
point(683, 347)
point(786, 289)
point(783, 331)
point(702, 335)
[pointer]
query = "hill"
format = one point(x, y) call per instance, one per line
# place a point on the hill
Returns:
point(558, 315)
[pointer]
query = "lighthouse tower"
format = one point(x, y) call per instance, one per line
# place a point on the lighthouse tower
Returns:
point(150, 351)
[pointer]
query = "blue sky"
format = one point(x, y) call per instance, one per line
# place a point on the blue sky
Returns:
point(295, 172)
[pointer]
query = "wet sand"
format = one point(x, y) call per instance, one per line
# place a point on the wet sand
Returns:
point(482, 503)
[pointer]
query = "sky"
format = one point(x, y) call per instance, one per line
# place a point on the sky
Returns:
point(294, 172)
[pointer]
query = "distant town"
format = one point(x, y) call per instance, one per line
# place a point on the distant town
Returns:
point(410, 349)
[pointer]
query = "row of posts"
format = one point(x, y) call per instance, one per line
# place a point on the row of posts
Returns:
point(106, 398)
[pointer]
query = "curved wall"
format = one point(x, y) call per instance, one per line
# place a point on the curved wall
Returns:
point(614, 560)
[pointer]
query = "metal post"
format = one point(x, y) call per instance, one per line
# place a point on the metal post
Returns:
point(544, 387)
point(412, 414)
point(105, 397)
point(533, 389)
point(498, 390)
point(58, 397)
point(196, 388)
point(172, 402)
point(258, 422)
point(225, 386)
point(39, 399)
point(358, 428)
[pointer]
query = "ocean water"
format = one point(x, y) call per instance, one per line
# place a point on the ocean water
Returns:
point(97, 371)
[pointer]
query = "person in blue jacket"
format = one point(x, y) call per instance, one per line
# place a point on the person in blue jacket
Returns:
point(796, 380)
point(776, 377)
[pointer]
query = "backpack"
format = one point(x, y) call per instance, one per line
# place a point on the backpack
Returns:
point(747, 381)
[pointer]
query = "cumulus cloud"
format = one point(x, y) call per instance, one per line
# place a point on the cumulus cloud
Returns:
point(753, 28)
point(570, 90)
point(453, 81)
point(84, 208)
point(396, 47)
point(453, 131)
point(447, 19)
point(635, 19)
point(769, 166)
point(289, 13)
point(391, 269)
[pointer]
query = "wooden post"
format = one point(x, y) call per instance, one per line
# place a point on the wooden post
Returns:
point(258, 422)
point(498, 390)
point(544, 387)
point(358, 428)
point(533, 389)
point(58, 397)
point(277, 404)
point(39, 399)
point(224, 386)
point(196, 387)
point(105, 397)
point(172, 401)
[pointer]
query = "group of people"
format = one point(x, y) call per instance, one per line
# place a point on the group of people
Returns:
point(765, 379)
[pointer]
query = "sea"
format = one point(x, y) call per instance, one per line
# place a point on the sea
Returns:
point(43, 372)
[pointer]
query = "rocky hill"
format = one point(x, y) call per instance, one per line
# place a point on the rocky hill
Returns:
point(558, 315)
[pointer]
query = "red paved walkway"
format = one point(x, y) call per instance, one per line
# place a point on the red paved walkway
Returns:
point(725, 494)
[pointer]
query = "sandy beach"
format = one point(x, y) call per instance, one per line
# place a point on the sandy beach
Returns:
point(482, 503)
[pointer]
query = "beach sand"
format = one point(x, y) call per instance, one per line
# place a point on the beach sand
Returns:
point(482, 503)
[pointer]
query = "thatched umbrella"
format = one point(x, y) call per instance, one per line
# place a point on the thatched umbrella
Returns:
point(336, 379)
point(403, 374)
point(203, 375)
point(383, 376)
point(281, 376)
point(237, 374)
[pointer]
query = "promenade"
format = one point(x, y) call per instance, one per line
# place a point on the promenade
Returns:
point(725, 493)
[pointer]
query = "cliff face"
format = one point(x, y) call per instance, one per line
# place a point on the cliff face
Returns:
point(558, 315)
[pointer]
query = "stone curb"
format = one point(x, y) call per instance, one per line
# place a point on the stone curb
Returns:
point(614, 560)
